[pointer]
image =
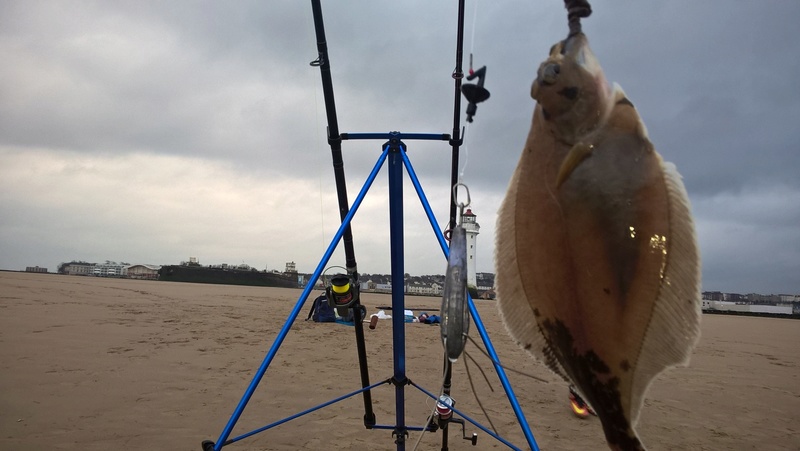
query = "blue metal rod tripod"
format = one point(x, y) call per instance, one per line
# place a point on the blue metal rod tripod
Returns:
point(395, 151)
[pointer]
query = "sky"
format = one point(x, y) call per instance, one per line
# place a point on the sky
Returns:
point(152, 132)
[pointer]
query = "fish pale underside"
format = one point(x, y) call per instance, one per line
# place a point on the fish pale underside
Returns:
point(598, 271)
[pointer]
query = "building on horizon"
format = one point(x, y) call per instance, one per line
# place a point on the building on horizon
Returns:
point(35, 269)
point(110, 269)
point(147, 272)
point(77, 268)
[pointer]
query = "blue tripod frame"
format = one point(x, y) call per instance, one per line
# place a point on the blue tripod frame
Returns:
point(395, 151)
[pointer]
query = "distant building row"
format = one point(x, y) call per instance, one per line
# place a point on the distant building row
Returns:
point(753, 298)
point(110, 269)
point(415, 285)
point(738, 307)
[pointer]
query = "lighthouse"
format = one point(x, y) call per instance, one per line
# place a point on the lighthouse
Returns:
point(472, 228)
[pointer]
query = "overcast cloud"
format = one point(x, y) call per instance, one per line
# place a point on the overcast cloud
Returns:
point(149, 132)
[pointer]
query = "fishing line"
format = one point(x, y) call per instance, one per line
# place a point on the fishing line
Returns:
point(317, 146)
point(485, 377)
point(465, 146)
point(319, 180)
point(433, 411)
point(475, 393)
point(507, 368)
point(474, 20)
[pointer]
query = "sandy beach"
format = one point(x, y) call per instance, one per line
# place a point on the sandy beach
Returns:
point(106, 364)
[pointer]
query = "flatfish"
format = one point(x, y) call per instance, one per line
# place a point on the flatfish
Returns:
point(598, 270)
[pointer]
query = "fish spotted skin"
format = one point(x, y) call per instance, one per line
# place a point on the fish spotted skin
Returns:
point(598, 272)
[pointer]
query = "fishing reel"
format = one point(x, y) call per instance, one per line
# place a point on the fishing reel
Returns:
point(444, 415)
point(342, 293)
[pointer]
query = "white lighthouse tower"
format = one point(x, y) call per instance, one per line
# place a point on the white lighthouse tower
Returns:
point(472, 228)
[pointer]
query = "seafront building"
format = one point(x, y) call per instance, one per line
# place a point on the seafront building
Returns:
point(35, 269)
point(110, 269)
point(77, 269)
point(147, 272)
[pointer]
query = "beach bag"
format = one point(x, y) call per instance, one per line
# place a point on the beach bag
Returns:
point(321, 311)
point(350, 316)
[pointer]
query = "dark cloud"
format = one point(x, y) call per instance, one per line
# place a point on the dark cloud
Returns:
point(230, 84)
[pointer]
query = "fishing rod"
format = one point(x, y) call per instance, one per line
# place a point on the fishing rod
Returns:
point(454, 299)
point(348, 287)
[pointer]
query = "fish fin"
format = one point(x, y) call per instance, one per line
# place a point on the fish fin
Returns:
point(620, 98)
point(516, 313)
point(578, 153)
point(674, 326)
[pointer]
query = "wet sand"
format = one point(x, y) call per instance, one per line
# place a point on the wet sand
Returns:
point(101, 364)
